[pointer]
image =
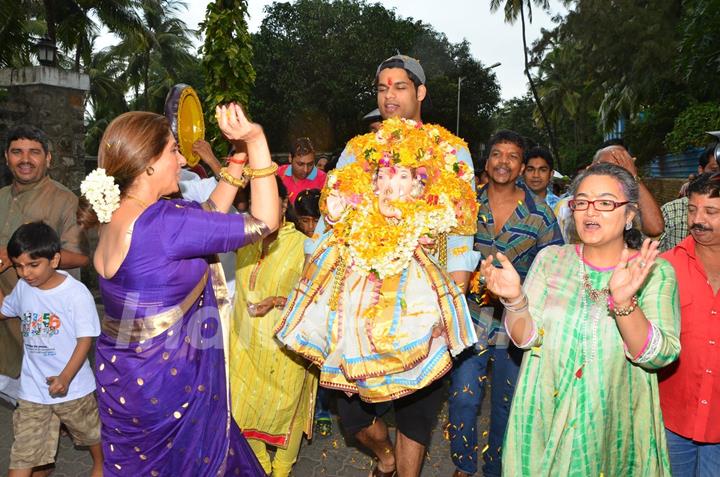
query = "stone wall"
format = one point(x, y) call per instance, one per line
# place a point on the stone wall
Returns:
point(53, 100)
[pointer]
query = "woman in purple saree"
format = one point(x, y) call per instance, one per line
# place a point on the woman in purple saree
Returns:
point(160, 360)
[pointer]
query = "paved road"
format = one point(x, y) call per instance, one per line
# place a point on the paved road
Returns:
point(323, 457)
point(334, 457)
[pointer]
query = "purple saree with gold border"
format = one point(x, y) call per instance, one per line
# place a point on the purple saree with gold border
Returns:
point(160, 362)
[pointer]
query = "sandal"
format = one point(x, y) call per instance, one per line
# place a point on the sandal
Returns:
point(376, 472)
point(323, 426)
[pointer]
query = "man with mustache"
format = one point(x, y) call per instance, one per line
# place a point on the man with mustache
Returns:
point(689, 389)
point(31, 197)
point(518, 223)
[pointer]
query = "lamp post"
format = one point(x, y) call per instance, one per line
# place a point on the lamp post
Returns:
point(460, 78)
point(457, 123)
point(46, 51)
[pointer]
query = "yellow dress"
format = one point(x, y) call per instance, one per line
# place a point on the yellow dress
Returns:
point(272, 389)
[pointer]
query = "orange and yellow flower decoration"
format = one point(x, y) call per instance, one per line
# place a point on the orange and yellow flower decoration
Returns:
point(370, 242)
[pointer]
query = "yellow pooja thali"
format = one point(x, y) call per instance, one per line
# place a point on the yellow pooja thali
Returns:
point(184, 111)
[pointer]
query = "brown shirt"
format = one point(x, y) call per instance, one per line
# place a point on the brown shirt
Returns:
point(54, 204)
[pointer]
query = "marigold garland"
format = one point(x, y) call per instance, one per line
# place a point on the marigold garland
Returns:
point(372, 243)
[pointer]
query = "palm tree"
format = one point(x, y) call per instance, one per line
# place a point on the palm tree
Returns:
point(106, 98)
point(514, 9)
point(14, 34)
point(158, 49)
point(70, 24)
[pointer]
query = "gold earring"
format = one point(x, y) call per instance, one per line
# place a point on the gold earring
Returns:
point(150, 170)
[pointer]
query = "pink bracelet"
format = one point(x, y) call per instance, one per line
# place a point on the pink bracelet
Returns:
point(647, 342)
point(238, 161)
point(645, 346)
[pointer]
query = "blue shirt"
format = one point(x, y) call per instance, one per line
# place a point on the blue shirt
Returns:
point(551, 199)
point(530, 228)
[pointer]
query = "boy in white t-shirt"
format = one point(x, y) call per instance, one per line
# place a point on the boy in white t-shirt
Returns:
point(59, 320)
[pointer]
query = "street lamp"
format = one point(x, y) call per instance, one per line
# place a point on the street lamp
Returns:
point(460, 78)
point(46, 51)
point(457, 123)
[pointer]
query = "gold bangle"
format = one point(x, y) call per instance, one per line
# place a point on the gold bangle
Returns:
point(233, 181)
point(620, 311)
point(264, 172)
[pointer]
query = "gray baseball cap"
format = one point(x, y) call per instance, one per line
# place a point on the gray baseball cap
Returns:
point(409, 64)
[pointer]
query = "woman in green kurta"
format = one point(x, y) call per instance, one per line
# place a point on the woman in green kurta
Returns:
point(597, 318)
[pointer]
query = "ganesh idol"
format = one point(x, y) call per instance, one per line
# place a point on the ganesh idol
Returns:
point(375, 309)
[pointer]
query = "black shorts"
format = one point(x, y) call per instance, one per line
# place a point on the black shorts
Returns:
point(415, 414)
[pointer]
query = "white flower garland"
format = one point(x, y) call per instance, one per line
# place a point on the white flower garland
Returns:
point(102, 192)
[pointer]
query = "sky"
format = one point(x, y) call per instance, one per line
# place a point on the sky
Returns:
point(491, 39)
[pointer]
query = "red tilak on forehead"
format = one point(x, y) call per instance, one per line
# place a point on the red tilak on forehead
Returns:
point(389, 81)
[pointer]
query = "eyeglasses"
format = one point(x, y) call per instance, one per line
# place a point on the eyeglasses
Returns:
point(600, 205)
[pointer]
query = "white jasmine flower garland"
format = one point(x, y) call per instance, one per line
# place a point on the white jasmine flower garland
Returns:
point(102, 192)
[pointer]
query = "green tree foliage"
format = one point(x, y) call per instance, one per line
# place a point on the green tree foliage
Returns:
point(138, 71)
point(699, 55)
point(316, 60)
point(607, 61)
point(691, 125)
point(571, 107)
point(67, 23)
point(227, 60)
point(518, 114)
point(106, 99)
point(155, 53)
point(70, 25)
point(646, 131)
point(154, 50)
point(14, 34)
point(515, 9)
point(479, 94)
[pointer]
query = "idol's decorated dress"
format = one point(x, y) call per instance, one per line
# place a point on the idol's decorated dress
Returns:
point(374, 309)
